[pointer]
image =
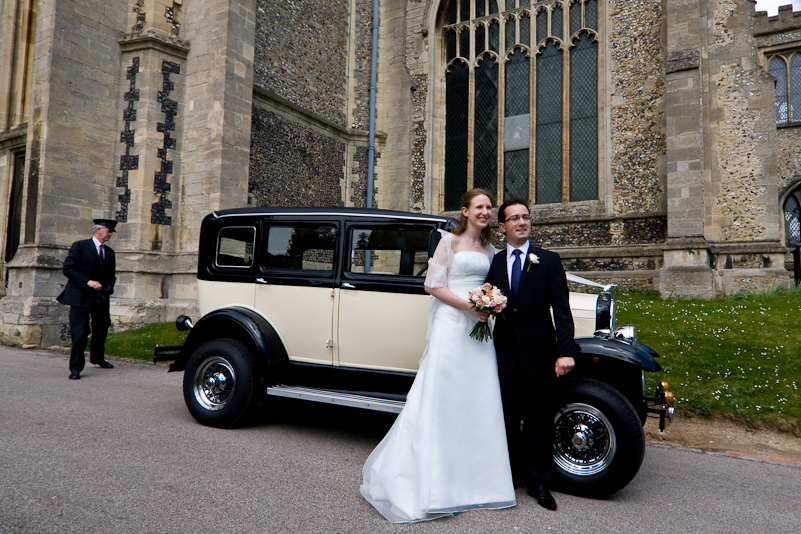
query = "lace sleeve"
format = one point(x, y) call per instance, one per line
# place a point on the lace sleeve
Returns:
point(437, 275)
point(491, 251)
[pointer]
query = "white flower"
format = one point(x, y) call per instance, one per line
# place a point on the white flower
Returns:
point(533, 259)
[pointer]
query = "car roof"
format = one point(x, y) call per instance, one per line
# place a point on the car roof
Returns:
point(328, 212)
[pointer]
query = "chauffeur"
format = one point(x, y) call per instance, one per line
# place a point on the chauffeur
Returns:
point(90, 269)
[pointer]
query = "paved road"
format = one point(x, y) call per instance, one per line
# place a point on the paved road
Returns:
point(117, 452)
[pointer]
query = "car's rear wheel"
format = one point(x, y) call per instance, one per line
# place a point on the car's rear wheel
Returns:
point(599, 441)
point(220, 383)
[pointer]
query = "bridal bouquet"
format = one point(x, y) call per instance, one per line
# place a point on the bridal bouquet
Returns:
point(489, 299)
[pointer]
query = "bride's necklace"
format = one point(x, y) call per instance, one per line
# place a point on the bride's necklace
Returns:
point(476, 244)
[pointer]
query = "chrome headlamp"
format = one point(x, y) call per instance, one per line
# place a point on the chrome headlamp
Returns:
point(626, 334)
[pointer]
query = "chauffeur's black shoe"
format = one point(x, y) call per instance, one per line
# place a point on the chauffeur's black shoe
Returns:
point(75, 375)
point(543, 496)
point(104, 364)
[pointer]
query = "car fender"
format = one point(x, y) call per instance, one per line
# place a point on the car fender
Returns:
point(242, 324)
point(634, 353)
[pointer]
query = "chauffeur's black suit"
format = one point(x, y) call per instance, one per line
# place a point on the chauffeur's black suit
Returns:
point(527, 343)
point(83, 263)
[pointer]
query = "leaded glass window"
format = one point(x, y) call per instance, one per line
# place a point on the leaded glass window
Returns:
point(549, 124)
point(456, 108)
point(792, 218)
point(786, 68)
point(521, 87)
point(517, 126)
point(583, 119)
point(486, 124)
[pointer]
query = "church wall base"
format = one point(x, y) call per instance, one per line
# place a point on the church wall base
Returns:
point(43, 322)
point(707, 273)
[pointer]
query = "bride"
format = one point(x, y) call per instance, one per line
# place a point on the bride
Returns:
point(446, 451)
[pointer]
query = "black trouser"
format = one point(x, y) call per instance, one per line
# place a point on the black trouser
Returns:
point(79, 329)
point(531, 400)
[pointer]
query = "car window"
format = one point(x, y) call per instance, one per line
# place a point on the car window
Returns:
point(235, 246)
point(307, 248)
point(389, 250)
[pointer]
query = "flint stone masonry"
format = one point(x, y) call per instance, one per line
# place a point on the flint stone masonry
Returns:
point(611, 264)
point(362, 44)
point(789, 158)
point(600, 234)
point(357, 196)
point(291, 165)
point(744, 190)
point(301, 54)
point(638, 109)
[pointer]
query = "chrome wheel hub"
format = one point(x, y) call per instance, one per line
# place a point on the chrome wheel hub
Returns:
point(583, 438)
point(585, 441)
point(214, 383)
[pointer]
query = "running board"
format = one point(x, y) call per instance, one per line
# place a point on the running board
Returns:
point(336, 397)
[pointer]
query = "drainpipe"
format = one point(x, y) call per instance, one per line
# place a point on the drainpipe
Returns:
point(371, 138)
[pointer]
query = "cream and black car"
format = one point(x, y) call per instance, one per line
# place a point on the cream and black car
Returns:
point(328, 305)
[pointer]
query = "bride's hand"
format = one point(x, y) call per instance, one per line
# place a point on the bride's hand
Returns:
point(481, 316)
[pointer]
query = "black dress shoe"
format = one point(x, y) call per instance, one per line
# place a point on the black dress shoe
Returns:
point(543, 496)
point(75, 375)
point(104, 364)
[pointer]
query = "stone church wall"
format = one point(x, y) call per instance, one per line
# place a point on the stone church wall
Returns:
point(783, 33)
point(637, 90)
point(312, 81)
point(743, 200)
point(301, 54)
point(159, 111)
point(292, 165)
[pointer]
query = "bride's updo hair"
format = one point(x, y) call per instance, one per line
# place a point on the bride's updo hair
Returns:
point(467, 199)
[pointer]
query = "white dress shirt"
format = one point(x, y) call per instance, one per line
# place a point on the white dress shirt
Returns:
point(98, 244)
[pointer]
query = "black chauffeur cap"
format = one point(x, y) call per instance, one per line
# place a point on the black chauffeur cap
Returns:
point(108, 223)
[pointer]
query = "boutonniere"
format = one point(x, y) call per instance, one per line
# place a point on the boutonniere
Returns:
point(533, 259)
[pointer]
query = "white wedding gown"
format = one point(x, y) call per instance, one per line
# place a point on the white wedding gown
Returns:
point(446, 451)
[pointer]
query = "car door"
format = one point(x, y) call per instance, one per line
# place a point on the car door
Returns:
point(382, 305)
point(295, 291)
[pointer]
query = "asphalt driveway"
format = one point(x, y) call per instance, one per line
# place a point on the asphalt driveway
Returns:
point(117, 452)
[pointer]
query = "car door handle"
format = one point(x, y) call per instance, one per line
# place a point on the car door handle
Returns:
point(346, 285)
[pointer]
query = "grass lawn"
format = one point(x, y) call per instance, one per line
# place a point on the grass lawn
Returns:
point(737, 355)
point(139, 343)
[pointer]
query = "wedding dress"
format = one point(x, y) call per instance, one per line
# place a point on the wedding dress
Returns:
point(446, 451)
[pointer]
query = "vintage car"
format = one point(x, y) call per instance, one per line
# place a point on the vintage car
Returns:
point(328, 305)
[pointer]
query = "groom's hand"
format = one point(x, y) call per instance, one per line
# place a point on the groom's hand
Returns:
point(564, 365)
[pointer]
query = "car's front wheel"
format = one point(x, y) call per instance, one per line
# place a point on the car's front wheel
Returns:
point(219, 383)
point(599, 441)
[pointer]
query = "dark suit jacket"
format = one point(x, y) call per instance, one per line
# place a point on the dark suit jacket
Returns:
point(524, 331)
point(83, 264)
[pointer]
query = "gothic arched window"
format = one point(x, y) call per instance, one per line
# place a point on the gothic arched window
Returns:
point(792, 218)
point(786, 68)
point(521, 99)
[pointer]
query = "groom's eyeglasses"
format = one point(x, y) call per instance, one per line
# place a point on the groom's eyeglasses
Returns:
point(514, 218)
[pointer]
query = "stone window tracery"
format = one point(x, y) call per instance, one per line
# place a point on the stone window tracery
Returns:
point(521, 99)
point(786, 68)
point(792, 218)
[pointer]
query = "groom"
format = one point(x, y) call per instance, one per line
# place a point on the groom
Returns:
point(532, 350)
